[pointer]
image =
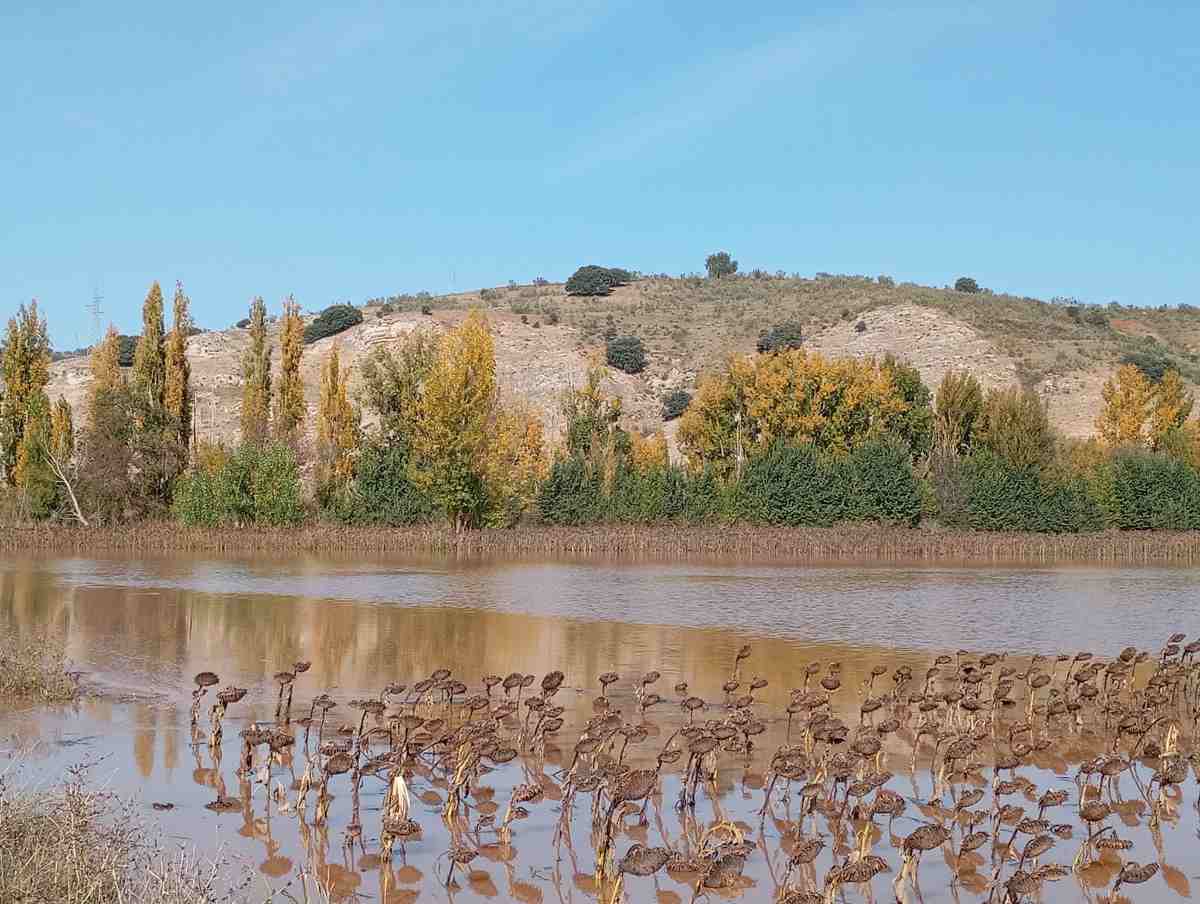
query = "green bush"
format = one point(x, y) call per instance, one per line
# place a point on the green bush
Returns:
point(966, 284)
point(675, 404)
point(626, 353)
point(1152, 491)
point(1002, 496)
point(877, 483)
point(333, 320)
point(781, 337)
point(590, 280)
point(790, 485)
point(1153, 362)
point(256, 485)
point(381, 492)
point(571, 494)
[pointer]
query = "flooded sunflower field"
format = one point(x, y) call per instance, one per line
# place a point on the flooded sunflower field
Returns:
point(412, 729)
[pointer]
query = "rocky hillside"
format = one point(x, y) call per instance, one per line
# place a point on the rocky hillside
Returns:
point(546, 339)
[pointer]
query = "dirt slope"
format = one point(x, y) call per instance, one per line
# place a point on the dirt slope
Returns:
point(545, 340)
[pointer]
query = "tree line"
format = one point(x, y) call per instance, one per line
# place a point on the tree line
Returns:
point(784, 436)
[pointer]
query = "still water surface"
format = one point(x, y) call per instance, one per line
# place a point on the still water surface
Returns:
point(141, 628)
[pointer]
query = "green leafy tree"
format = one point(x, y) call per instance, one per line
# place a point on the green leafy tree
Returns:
point(25, 364)
point(958, 407)
point(392, 380)
point(719, 264)
point(334, 319)
point(1015, 426)
point(915, 426)
point(149, 362)
point(590, 280)
point(966, 284)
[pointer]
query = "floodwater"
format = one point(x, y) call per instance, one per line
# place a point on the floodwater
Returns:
point(141, 628)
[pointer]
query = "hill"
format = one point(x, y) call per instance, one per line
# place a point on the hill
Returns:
point(545, 340)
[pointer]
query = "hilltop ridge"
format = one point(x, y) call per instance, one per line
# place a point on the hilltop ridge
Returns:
point(546, 340)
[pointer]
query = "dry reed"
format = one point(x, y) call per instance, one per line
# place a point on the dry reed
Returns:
point(849, 543)
point(35, 669)
point(78, 845)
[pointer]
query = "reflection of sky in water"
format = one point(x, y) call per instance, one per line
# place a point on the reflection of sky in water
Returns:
point(914, 607)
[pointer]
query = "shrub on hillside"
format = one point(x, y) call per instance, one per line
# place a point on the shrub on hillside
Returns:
point(719, 264)
point(590, 280)
point(625, 353)
point(966, 284)
point(675, 404)
point(781, 337)
point(1152, 362)
point(333, 320)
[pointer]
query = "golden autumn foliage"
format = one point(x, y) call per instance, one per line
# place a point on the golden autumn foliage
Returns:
point(105, 363)
point(62, 431)
point(792, 395)
point(289, 388)
point(177, 389)
point(473, 456)
point(957, 406)
point(649, 453)
point(514, 464)
point(256, 378)
point(337, 425)
point(1172, 407)
point(1138, 412)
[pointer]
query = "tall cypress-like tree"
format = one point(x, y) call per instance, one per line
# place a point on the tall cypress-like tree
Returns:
point(289, 389)
point(256, 378)
point(149, 363)
point(177, 379)
point(337, 428)
point(25, 359)
point(106, 455)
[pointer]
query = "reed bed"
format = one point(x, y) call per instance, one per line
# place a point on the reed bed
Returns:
point(850, 543)
point(35, 669)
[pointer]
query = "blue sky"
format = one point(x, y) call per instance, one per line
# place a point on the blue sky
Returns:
point(344, 151)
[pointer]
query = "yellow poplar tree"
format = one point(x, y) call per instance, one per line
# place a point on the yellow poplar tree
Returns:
point(177, 389)
point(256, 378)
point(451, 430)
point(105, 363)
point(62, 431)
point(793, 396)
point(514, 465)
point(25, 360)
point(1128, 401)
point(1171, 407)
point(337, 426)
point(289, 389)
point(149, 365)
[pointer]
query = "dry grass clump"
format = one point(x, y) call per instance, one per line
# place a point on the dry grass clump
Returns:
point(76, 845)
point(35, 669)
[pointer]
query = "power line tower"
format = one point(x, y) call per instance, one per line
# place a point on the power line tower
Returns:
point(96, 309)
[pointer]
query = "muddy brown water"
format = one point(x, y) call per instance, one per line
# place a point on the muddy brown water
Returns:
point(141, 628)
